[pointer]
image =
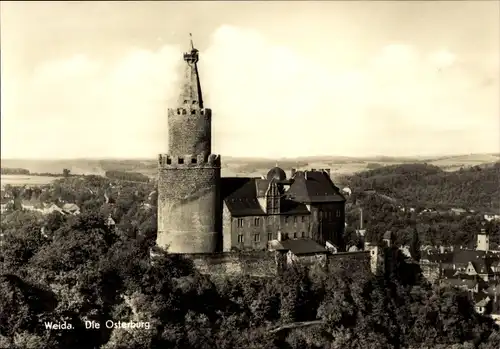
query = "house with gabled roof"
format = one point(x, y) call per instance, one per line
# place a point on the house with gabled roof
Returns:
point(257, 211)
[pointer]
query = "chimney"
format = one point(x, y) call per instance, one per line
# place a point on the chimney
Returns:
point(293, 172)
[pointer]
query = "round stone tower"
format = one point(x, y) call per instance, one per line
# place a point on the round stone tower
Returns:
point(189, 210)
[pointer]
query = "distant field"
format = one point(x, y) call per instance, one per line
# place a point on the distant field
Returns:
point(23, 179)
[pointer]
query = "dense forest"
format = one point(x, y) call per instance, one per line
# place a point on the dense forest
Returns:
point(74, 269)
point(127, 176)
point(14, 171)
point(422, 185)
point(386, 195)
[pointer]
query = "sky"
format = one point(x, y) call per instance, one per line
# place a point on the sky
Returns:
point(283, 79)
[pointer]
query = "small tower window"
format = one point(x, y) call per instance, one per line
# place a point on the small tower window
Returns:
point(256, 222)
point(240, 222)
point(181, 160)
point(183, 111)
point(240, 238)
point(169, 161)
point(178, 112)
point(193, 160)
point(193, 112)
point(269, 236)
point(256, 238)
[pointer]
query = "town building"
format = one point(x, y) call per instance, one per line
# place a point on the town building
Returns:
point(476, 271)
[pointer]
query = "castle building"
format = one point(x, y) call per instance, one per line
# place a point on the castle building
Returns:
point(200, 212)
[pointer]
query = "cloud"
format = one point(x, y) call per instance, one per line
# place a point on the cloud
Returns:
point(267, 100)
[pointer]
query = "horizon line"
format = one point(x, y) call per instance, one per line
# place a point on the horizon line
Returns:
point(259, 158)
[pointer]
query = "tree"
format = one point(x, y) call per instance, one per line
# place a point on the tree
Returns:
point(415, 246)
point(66, 173)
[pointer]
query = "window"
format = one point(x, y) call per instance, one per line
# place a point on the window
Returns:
point(240, 222)
point(303, 219)
point(256, 222)
point(269, 236)
point(193, 112)
point(295, 219)
point(338, 213)
point(294, 235)
point(320, 214)
point(193, 160)
point(303, 234)
point(286, 219)
point(256, 238)
point(181, 160)
point(286, 236)
point(240, 239)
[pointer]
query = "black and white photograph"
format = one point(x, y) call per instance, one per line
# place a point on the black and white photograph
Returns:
point(250, 174)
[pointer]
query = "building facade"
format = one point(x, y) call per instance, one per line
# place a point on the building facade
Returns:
point(200, 212)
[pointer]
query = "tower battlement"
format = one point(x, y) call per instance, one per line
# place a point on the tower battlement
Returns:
point(190, 111)
point(166, 161)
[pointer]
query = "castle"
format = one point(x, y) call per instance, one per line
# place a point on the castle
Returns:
point(199, 212)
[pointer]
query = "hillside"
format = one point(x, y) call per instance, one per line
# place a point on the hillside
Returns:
point(428, 185)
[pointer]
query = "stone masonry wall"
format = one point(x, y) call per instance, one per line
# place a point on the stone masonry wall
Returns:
point(261, 264)
point(349, 261)
point(189, 131)
point(189, 217)
point(268, 264)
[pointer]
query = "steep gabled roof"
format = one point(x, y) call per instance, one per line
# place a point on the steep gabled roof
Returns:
point(314, 187)
point(240, 196)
